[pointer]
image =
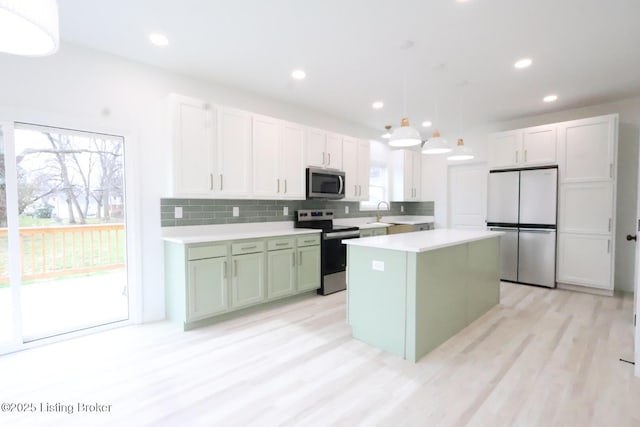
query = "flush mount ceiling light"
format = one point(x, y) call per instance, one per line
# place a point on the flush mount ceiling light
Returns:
point(460, 152)
point(298, 74)
point(523, 63)
point(436, 145)
point(377, 105)
point(158, 39)
point(550, 98)
point(387, 134)
point(29, 28)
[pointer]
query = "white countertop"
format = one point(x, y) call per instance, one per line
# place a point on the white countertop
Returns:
point(386, 221)
point(422, 241)
point(218, 233)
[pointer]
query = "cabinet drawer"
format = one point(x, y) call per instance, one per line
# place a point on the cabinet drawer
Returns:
point(202, 252)
point(309, 240)
point(247, 247)
point(284, 243)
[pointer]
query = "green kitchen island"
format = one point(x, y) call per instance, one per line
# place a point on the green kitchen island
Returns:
point(408, 293)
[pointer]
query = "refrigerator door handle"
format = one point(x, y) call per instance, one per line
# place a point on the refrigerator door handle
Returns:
point(503, 228)
point(537, 230)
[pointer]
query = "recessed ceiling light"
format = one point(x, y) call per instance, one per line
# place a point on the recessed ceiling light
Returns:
point(523, 63)
point(377, 105)
point(426, 124)
point(298, 74)
point(158, 39)
point(550, 98)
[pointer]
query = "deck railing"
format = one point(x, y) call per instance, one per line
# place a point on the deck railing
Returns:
point(49, 252)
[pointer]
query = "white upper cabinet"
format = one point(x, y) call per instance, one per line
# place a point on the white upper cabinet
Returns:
point(350, 167)
point(266, 182)
point(539, 145)
point(293, 138)
point(234, 152)
point(324, 149)
point(406, 168)
point(523, 147)
point(278, 158)
point(334, 151)
point(194, 144)
point(364, 166)
point(502, 149)
point(355, 163)
point(587, 149)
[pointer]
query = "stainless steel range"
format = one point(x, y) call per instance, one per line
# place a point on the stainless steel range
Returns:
point(334, 253)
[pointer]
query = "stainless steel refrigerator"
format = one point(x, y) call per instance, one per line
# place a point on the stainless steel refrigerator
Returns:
point(523, 204)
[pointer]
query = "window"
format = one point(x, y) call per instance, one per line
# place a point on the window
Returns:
point(378, 187)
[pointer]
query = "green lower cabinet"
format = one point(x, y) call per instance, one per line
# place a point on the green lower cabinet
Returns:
point(308, 268)
point(247, 284)
point(281, 273)
point(207, 288)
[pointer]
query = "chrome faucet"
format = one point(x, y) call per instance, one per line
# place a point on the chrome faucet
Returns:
point(378, 216)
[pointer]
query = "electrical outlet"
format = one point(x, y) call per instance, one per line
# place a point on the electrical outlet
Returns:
point(236, 211)
point(346, 209)
point(401, 208)
point(177, 212)
point(285, 211)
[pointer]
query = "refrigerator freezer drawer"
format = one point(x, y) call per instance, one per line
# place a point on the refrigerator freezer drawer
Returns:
point(508, 253)
point(538, 196)
point(503, 191)
point(537, 257)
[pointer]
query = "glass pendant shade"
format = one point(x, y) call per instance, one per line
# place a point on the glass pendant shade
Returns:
point(461, 152)
point(29, 27)
point(436, 145)
point(405, 135)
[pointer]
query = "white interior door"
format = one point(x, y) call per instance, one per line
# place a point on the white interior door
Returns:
point(468, 196)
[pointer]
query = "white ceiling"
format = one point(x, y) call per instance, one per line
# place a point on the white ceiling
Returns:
point(586, 51)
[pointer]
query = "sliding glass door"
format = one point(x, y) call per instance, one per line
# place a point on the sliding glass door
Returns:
point(69, 235)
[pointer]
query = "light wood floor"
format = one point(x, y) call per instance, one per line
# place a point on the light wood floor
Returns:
point(541, 358)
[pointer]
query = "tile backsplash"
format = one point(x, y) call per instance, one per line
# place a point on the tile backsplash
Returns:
point(220, 211)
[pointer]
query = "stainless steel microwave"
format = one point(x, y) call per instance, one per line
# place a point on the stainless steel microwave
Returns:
point(325, 183)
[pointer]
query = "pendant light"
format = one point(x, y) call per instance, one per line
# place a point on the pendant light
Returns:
point(29, 27)
point(461, 152)
point(436, 144)
point(405, 135)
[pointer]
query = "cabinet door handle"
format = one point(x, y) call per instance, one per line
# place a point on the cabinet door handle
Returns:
point(278, 181)
point(610, 170)
point(282, 244)
point(235, 268)
point(359, 190)
point(608, 246)
point(525, 156)
point(224, 269)
point(329, 157)
point(609, 228)
point(221, 182)
point(285, 186)
point(309, 241)
point(249, 247)
point(323, 155)
point(355, 190)
point(293, 259)
point(299, 258)
point(516, 156)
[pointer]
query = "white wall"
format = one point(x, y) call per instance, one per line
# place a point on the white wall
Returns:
point(628, 142)
point(79, 88)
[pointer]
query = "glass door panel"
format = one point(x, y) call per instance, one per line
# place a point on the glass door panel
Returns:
point(6, 300)
point(72, 230)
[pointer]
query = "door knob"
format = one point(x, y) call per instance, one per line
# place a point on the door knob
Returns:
point(630, 237)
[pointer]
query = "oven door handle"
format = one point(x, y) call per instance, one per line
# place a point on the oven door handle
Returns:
point(341, 184)
point(341, 235)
